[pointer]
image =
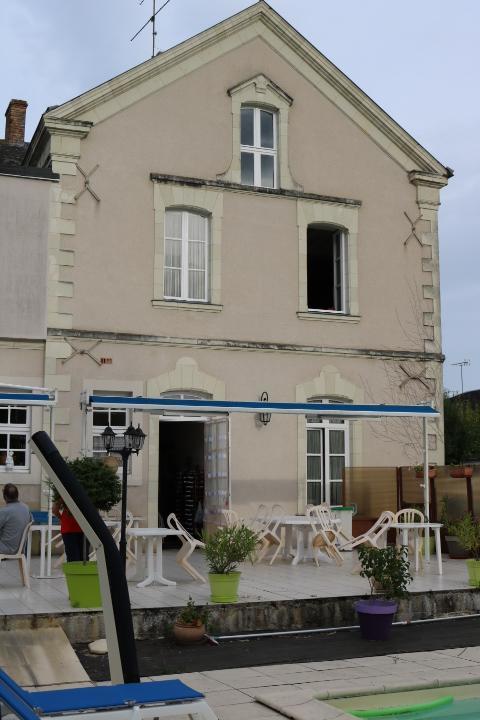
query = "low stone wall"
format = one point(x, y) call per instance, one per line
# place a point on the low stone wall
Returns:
point(85, 626)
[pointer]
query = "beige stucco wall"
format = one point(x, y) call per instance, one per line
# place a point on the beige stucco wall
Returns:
point(23, 245)
point(185, 129)
point(266, 463)
point(104, 259)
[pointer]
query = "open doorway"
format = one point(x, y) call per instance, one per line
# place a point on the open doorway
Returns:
point(181, 484)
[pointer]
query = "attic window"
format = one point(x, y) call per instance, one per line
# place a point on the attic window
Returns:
point(258, 147)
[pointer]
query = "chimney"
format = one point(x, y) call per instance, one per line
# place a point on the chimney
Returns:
point(15, 122)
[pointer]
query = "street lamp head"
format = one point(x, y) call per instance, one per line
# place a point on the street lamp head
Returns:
point(139, 439)
point(130, 438)
point(108, 438)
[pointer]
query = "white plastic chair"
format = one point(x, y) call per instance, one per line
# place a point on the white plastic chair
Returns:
point(261, 518)
point(270, 536)
point(189, 544)
point(231, 518)
point(325, 534)
point(20, 555)
point(412, 515)
point(376, 536)
point(335, 522)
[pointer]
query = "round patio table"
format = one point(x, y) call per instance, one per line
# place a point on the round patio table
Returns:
point(154, 539)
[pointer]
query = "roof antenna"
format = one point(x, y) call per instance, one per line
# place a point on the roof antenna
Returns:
point(151, 20)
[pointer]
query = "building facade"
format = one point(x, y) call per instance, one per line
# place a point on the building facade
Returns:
point(233, 217)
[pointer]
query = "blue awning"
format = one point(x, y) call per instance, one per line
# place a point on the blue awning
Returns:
point(20, 399)
point(345, 410)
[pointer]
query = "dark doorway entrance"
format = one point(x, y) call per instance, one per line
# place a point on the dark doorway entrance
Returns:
point(181, 473)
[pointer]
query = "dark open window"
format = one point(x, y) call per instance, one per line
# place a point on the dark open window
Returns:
point(326, 262)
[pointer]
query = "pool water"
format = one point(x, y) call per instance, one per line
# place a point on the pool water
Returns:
point(461, 709)
point(466, 705)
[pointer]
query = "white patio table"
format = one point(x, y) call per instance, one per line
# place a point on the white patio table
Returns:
point(405, 528)
point(154, 538)
point(302, 524)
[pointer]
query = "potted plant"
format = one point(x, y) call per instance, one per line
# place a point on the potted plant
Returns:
point(225, 549)
point(461, 471)
point(387, 571)
point(456, 550)
point(467, 531)
point(189, 626)
point(104, 489)
point(432, 472)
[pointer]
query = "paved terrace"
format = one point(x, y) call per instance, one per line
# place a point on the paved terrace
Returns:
point(279, 582)
point(305, 691)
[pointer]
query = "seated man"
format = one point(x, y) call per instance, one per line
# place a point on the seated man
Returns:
point(14, 517)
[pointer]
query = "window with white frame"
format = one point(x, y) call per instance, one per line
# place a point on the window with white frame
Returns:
point(186, 256)
point(118, 418)
point(327, 456)
point(258, 147)
point(326, 270)
point(15, 429)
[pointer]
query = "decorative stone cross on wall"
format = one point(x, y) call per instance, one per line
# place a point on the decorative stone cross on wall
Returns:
point(413, 229)
point(82, 351)
point(86, 186)
point(412, 376)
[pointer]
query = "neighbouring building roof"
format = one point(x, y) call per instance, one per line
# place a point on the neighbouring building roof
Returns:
point(12, 155)
point(471, 396)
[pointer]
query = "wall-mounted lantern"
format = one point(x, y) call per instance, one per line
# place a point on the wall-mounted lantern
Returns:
point(264, 418)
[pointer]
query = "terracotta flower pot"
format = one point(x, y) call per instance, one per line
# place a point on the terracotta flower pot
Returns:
point(188, 633)
point(468, 471)
point(457, 472)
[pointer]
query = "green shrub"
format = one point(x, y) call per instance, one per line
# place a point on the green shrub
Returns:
point(192, 615)
point(386, 569)
point(100, 482)
point(229, 546)
point(467, 531)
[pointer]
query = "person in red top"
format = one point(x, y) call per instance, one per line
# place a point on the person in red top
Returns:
point(72, 535)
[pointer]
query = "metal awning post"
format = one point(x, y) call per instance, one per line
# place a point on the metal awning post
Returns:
point(426, 487)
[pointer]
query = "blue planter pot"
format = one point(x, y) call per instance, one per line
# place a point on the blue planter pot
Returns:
point(375, 617)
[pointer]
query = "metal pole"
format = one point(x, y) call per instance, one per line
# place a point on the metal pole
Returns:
point(123, 520)
point(426, 488)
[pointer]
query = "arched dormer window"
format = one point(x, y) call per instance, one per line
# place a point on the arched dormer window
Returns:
point(258, 147)
point(186, 256)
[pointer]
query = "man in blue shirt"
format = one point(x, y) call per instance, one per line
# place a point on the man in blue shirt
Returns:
point(14, 517)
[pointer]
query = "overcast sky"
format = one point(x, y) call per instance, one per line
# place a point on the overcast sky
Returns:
point(418, 59)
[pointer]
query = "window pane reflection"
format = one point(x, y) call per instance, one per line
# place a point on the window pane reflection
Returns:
point(266, 129)
point(247, 168)
point(246, 126)
point(268, 171)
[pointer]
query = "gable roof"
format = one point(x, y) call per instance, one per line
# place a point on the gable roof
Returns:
point(259, 19)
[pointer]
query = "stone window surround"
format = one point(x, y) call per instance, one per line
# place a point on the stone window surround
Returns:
point(328, 384)
point(186, 377)
point(261, 92)
point(197, 199)
point(344, 217)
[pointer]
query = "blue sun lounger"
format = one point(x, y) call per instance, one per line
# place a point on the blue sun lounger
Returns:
point(132, 701)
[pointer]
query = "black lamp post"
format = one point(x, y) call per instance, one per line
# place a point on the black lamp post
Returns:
point(124, 445)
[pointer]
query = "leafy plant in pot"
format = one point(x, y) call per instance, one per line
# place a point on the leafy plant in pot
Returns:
point(449, 520)
point(387, 571)
point(225, 549)
point(189, 626)
point(467, 530)
point(432, 472)
point(104, 489)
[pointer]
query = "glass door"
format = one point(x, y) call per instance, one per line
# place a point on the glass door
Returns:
point(217, 485)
